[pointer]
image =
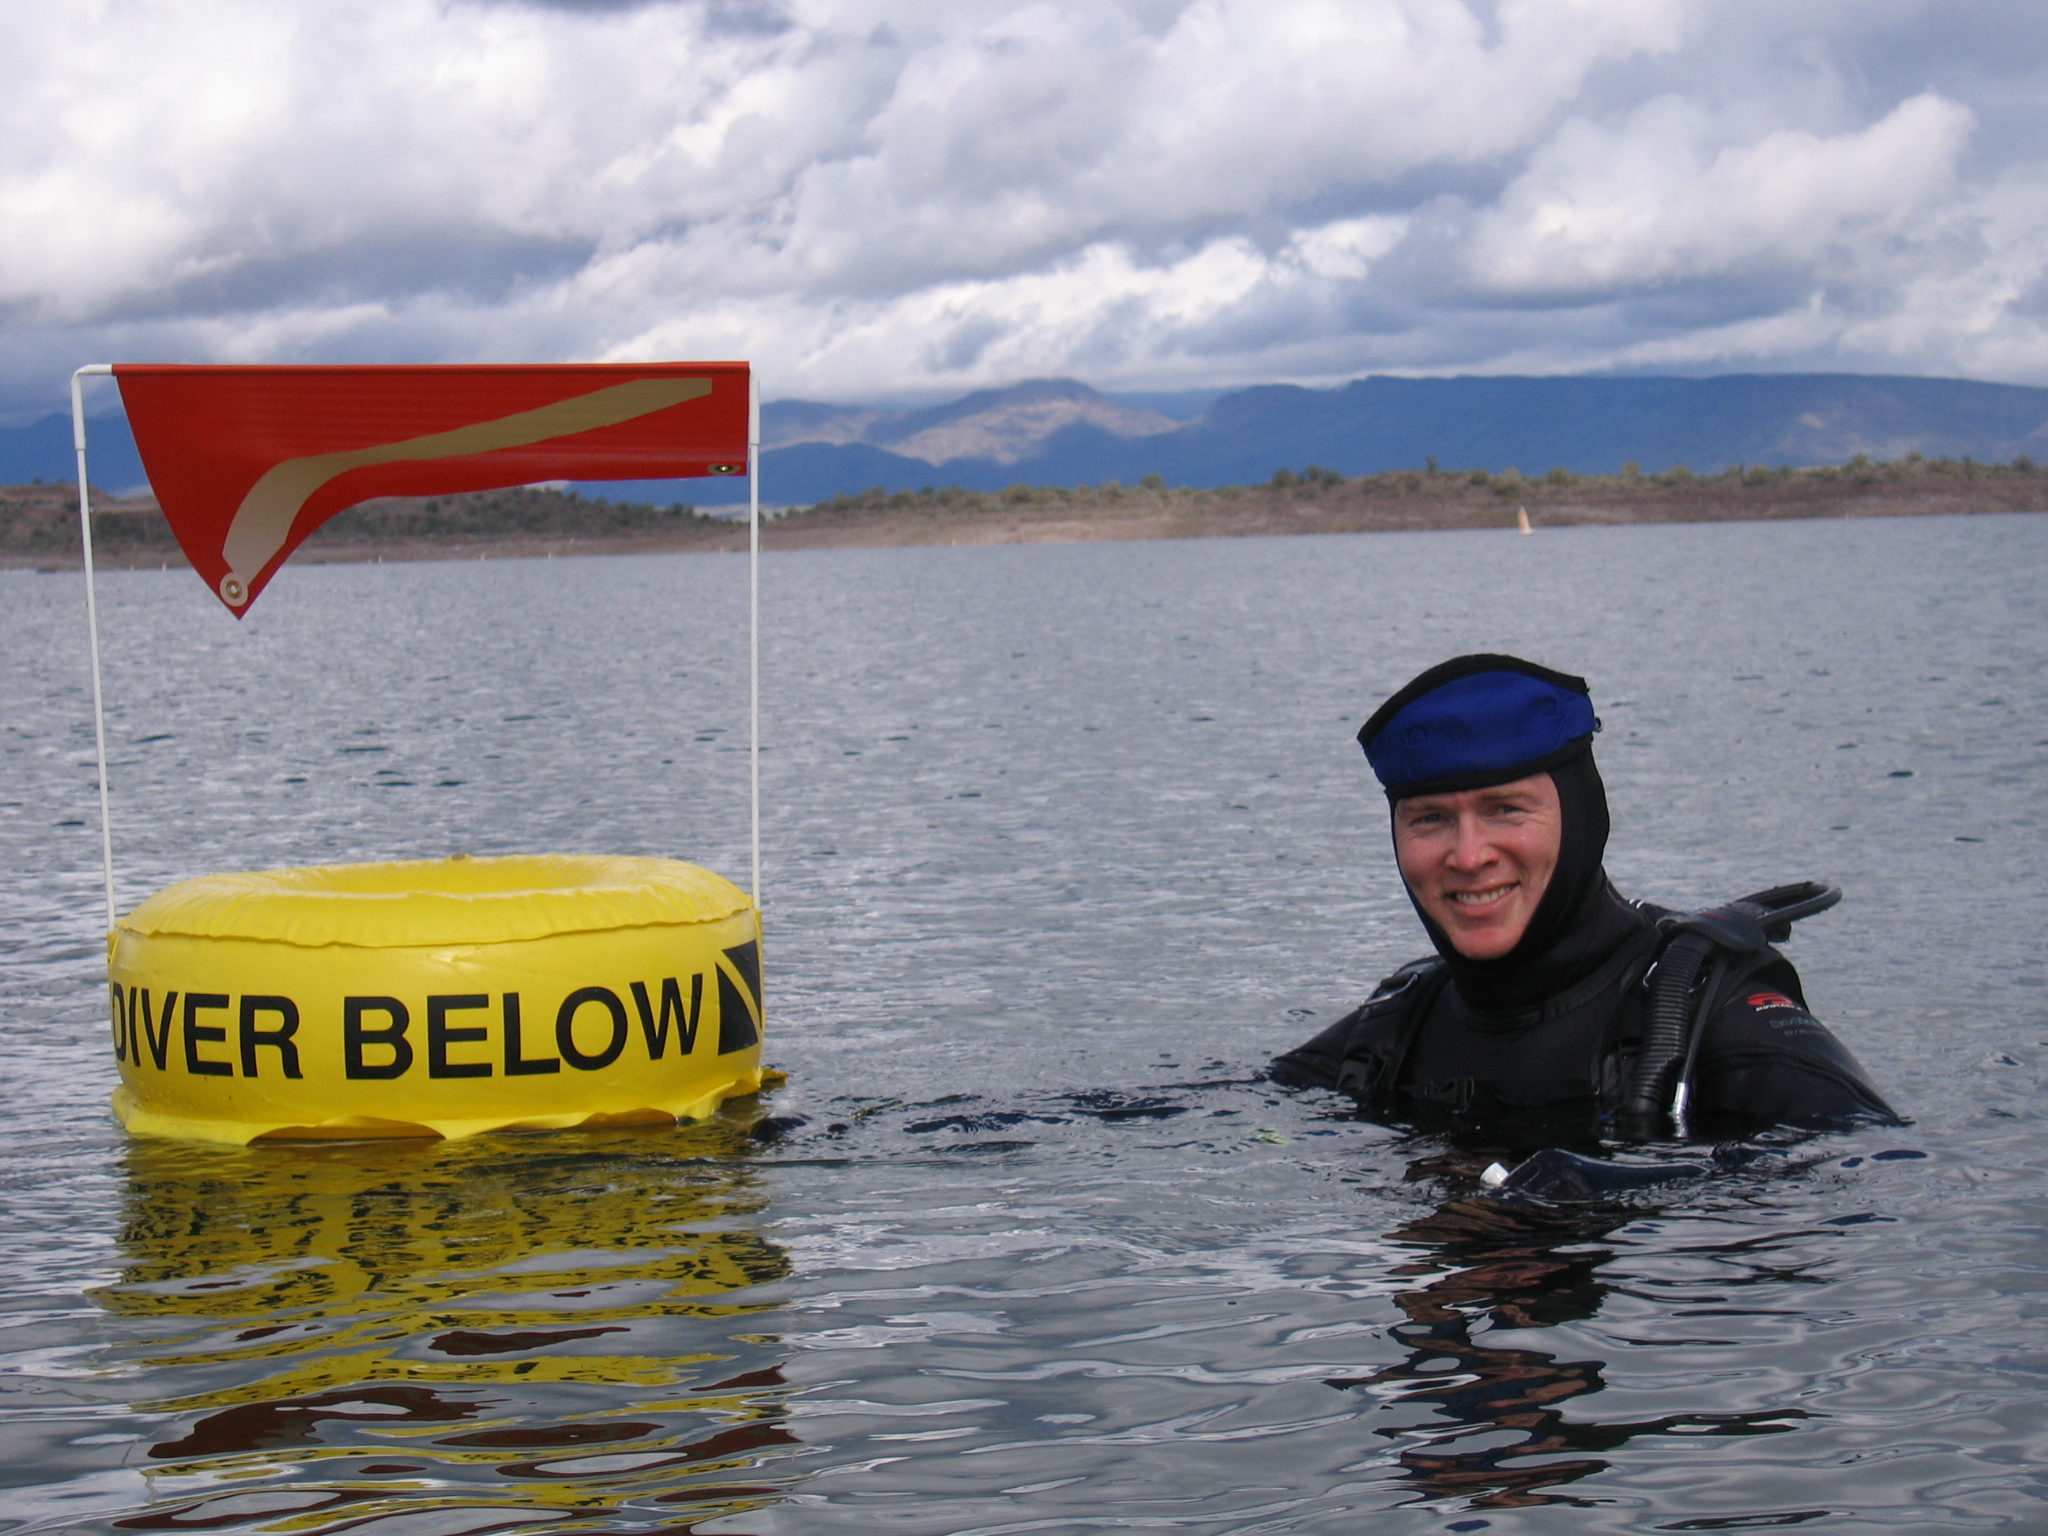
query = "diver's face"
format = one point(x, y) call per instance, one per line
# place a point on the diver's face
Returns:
point(1480, 860)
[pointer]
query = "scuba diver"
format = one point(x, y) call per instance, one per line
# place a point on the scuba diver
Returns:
point(1555, 1008)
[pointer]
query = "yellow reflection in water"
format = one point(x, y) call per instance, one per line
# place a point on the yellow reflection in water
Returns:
point(499, 1332)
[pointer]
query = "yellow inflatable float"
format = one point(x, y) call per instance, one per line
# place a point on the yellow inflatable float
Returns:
point(435, 998)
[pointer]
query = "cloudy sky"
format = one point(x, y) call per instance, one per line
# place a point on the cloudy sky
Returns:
point(904, 199)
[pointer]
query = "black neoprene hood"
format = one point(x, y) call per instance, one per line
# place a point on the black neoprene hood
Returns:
point(1475, 721)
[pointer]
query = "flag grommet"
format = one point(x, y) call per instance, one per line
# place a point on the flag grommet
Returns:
point(231, 591)
point(725, 469)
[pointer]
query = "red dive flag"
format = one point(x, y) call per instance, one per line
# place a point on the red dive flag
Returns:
point(246, 462)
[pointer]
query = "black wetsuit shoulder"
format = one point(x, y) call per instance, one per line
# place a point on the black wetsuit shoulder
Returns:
point(1764, 1059)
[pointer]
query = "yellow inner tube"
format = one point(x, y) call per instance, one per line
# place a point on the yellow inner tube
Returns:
point(435, 998)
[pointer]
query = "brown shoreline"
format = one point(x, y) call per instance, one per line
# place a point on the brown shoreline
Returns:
point(38, 524)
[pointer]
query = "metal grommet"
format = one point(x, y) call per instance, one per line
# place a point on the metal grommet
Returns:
point(726, 469)
point(232, 591)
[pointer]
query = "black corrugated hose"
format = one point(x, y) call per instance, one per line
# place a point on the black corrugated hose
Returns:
point(1741, 927)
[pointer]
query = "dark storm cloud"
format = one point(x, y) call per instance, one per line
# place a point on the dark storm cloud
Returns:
point(464, 265)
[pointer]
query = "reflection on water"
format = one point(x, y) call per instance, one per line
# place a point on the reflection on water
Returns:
point(518, 1329)
point(1512, 1266)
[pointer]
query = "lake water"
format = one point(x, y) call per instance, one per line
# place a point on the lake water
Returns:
point(1062, 843)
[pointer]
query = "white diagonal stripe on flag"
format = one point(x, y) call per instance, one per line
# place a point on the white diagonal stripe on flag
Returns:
point(264, 520)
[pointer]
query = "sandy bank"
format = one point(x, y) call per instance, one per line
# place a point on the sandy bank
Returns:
point(38, 524)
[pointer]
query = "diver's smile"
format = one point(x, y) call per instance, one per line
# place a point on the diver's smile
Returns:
point(1485, 898)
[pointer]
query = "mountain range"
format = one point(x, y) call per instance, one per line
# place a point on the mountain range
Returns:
point(1062, 432)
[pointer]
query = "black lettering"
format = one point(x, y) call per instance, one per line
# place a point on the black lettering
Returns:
point(441, 1035)
point(120, 1017)
point(356, 1036)
point(565, 1028)
point(278, 1039)
point(517, 1065)
point(197, 1034)
point(671, 1009)
point(159, 1040)
point(736, 1027)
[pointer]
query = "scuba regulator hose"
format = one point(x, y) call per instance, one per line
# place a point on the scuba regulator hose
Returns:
point(1681, 998)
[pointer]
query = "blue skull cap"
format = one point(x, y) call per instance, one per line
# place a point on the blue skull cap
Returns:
point(1476, 721)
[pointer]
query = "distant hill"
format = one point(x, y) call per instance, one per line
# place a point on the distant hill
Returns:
point(1061, 432)
point(996, 426)
point(41, 451)
point(1058, 432)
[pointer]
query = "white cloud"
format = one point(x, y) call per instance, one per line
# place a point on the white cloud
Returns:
point(894, 196)
point(1347, 248)
point(1649, 200)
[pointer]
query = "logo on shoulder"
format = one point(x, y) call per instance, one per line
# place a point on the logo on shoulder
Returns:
point(1764, 1001)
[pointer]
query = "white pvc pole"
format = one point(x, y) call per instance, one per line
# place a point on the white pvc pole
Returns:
point(92, 626)
point(754, 615)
